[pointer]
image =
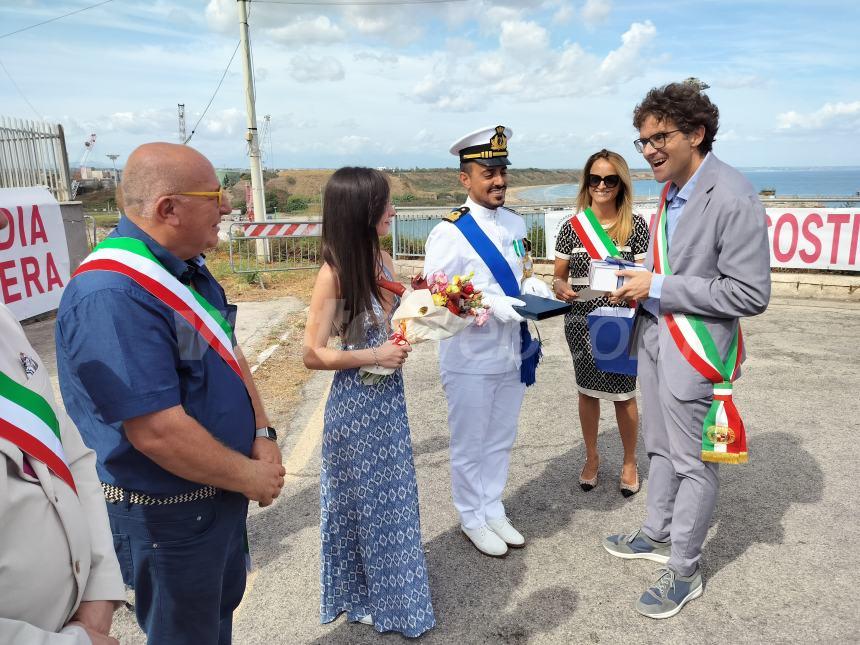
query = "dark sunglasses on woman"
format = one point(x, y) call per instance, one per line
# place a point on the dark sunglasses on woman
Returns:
point(610, 181)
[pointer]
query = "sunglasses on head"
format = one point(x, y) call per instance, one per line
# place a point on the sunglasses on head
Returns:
point(610, 181)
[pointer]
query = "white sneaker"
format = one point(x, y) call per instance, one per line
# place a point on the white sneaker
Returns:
point(367, 619)
point(486, 541)
point(502, 527)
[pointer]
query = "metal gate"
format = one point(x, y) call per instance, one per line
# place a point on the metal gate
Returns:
point(274, 245)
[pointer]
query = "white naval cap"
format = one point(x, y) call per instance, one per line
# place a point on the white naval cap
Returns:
point(487, 146)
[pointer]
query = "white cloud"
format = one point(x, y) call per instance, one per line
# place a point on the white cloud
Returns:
point(842, 116)
point(224, 122)
point(307, 69)
point(386, 58)
point(595, 12)
point(525, 66)
point(564, 14)
point(146, 121)
point(523, 38)
point(308, 31)
point(624, 63)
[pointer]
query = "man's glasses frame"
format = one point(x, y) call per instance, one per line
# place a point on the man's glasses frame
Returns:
point(217, 194)
point(657, 141)
point(610, 181)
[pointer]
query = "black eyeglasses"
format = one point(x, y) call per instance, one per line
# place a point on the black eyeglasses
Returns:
point(657, 141)
point(610, 181)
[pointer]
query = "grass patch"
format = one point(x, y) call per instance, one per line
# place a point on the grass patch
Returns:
point(245, 287)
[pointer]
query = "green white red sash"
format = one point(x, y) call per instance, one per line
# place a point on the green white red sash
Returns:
point(132, 258)
point(723, 434)
point(29, 422)
point(595, 240)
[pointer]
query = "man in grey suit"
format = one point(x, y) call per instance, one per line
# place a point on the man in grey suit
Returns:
point(711, 264)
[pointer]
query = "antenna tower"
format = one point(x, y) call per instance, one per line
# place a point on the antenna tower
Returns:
point(181, 108)
point(267, 140)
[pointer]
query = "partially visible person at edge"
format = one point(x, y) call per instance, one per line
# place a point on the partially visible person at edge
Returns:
point(151, 373)
point(717, 271)
point(480, 367)
point(371, 556)
point(607, 190)
point(59, 577)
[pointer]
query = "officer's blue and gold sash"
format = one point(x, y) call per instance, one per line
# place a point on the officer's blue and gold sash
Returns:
point(502, 273)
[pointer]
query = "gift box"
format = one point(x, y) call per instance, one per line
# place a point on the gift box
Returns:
point(601, 273)
point(537, 308)
point(610, 330)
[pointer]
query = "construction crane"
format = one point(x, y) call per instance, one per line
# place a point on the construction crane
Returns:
point(89, 144)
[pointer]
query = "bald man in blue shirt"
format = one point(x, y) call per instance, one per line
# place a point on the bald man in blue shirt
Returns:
point(181, 435)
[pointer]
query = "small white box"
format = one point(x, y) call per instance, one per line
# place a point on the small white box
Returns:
point(601, 275)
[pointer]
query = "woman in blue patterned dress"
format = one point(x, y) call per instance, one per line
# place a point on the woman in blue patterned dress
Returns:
point(372, 560)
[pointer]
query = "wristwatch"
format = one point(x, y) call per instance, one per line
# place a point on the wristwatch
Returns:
point(268, 432)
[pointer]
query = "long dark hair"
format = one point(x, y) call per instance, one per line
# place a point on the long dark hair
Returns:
point(355, 200)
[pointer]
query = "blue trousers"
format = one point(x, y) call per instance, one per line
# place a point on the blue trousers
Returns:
point(186, 564)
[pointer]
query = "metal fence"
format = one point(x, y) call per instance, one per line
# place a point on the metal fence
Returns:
point(413, 224)
point(33, 153)
point(274, 245)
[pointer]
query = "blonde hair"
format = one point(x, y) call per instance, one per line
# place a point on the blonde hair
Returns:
point(621, 230)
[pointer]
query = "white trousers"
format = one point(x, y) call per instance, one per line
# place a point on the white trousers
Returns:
point(483, 412)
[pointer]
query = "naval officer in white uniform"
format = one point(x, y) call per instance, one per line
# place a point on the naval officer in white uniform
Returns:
point(480, 367)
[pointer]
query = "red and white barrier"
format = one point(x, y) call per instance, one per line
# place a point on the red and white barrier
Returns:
point(283, 229)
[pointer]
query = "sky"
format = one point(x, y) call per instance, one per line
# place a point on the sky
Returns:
point(395, 85)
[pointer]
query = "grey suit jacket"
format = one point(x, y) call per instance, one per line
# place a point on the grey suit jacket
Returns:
point(720, 263)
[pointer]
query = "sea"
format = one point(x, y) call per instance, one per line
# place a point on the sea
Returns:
point(843, 181)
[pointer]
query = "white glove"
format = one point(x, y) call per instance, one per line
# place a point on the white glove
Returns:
point(502, 307)
point(537, 287)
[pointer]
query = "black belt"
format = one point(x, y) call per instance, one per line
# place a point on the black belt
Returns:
point(115, 495)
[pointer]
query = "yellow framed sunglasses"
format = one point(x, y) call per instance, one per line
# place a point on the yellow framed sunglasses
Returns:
point(218, 194)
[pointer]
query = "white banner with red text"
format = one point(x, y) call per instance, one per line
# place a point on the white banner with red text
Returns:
point(34, 257)
point(800, 238)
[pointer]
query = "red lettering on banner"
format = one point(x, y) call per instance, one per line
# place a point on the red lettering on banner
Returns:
point(37, 227)
point(789, 219)
point(21, 232)
point(30, 273)
point(7, 281)
point(53, 275)
point(810, 237)
point(837, 221)
point(10, 240)
point(855, 233)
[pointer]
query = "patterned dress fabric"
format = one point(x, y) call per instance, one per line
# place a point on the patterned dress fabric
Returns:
point(590, 380)
point(372, 559)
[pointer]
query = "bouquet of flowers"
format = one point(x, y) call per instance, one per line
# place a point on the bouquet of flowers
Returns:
point(459, 295)
point(437, 308)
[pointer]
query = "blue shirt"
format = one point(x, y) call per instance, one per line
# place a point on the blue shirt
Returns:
point(676, 200)
point(122, 353)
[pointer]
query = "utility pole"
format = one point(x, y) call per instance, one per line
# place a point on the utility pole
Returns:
point(181, 108)
point(257, 188)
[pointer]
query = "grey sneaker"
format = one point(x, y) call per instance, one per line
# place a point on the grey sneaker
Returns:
point(638, 546)
point(669, 593)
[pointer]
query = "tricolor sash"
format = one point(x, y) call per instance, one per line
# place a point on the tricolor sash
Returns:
point(530, 349)
point(29, 422)
point(595, 240)
point(723, 434)
point(133, 259)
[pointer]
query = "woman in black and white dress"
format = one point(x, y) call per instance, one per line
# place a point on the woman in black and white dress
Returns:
point(606, 188)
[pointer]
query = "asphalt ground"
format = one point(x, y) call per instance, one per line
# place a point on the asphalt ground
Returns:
point(777, 562)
